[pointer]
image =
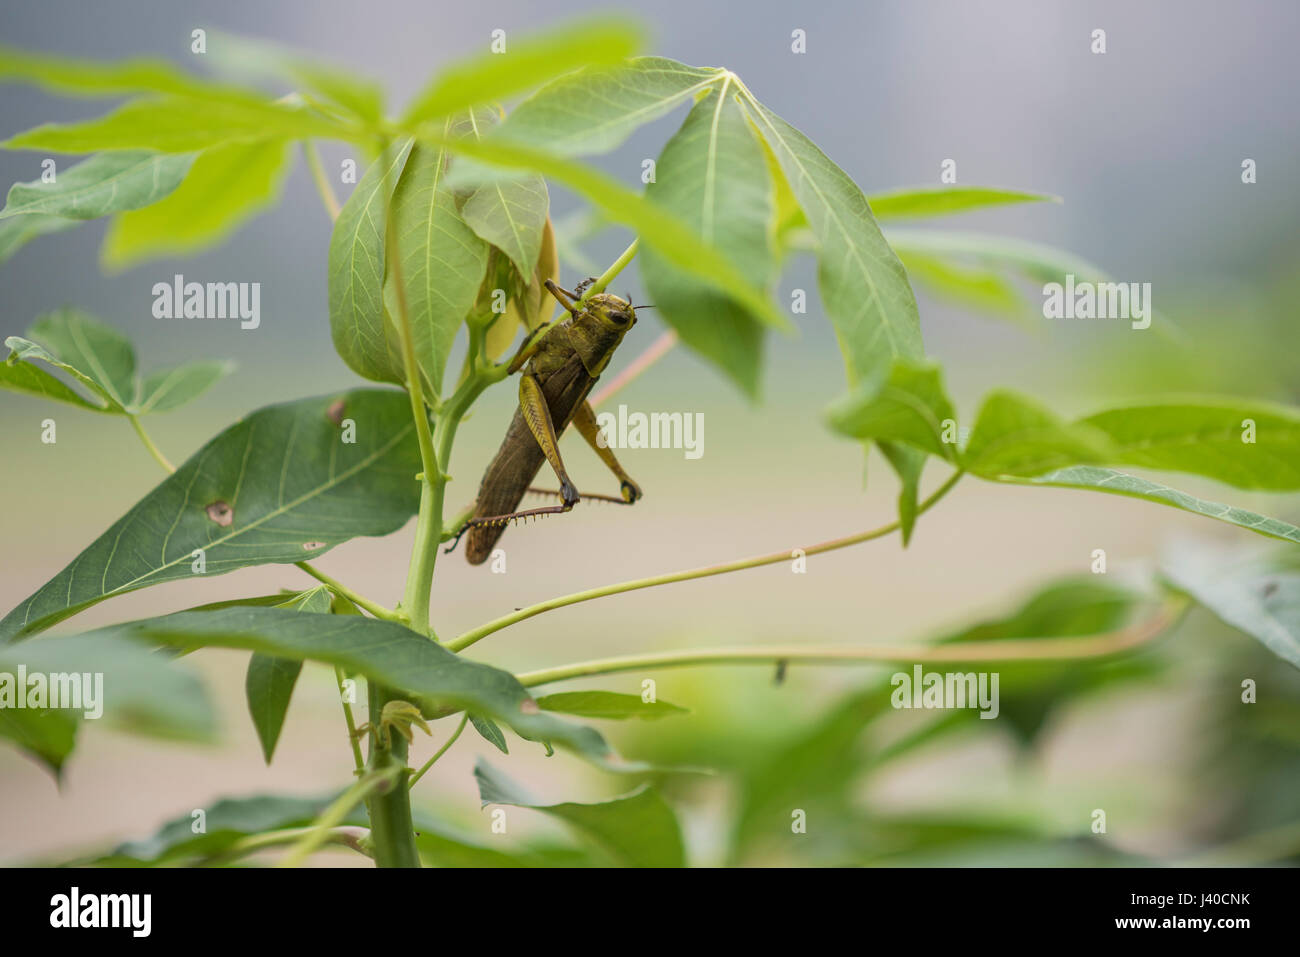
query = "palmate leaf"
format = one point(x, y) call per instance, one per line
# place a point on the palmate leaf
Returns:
point(280, 486)
point(383, 651)
point(142, 692)
point(270, 681)
point(247, 176)
point(595, 109)
point(639, 828)
point(863, 285)
point(103, 361)
point(673, 239)
point(1257, 592)
point(104, 184)
point(713, 176)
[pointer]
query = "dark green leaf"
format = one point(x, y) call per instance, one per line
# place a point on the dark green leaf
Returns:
point(280, 486)
point(385, 652)
point(639, 828)
point(490, 732)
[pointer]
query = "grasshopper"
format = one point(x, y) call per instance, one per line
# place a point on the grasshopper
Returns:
point(560, 362)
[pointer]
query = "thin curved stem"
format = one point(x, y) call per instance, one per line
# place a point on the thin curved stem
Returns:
point(320, 179)
point(358, 761)
point(1017, 649)
point(333, 815)
point(464, 719)
point(344, 836)
point(343, 591)
point(148, 444)
point(475, 634)
point(608, 276)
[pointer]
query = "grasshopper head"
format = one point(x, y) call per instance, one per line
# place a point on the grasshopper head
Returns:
point(612, 311)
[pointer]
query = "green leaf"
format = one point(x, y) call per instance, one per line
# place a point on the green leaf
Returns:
point(279, 486)
point(905, 402)
point(247, 176)
point(672, 238)
point(48, 736)
point(357, 256)
point(270, 681)
point(489, 732)
point(104, 184)
point(1038, 261)
point(1014, 436)
point(94, 353)
point(639, 828)
point(103, 360)
point(523, 65)
point(944, 200)
point(863, 285)
point(607, 704)
point(15, 233)
point(140, 692)
point(977, 287)
point(712, 175)
point(17, 376)
point(169, 389)
point(442, 262)
point(597, 108)
point(1209, 437)
point(80, 77)
point(908, 463)
point(168, 124)
point(227, 821)
point(508, 213)
point(357, 95)
point(1117, 483)
point(441, 846)
point(1255, 592)
point(386, 652)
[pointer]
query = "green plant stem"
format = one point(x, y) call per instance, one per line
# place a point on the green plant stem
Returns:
point(608, 276)
point(392, 832)
point(333, 815)
point(354, 739)
point(1017, 649)
point(343, 591)
point(322, 182)
point(464, 719)
point(148, 444)
point(475, 634)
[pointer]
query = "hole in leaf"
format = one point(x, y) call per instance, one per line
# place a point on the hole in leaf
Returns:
point(221, 513)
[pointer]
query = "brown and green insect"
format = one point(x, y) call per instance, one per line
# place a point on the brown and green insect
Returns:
point(560, 361)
